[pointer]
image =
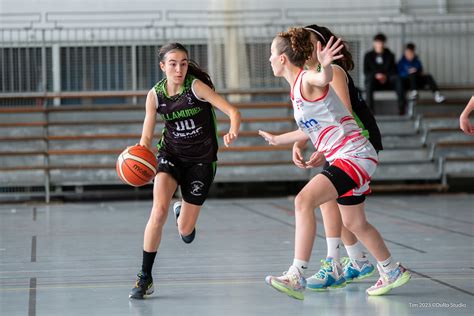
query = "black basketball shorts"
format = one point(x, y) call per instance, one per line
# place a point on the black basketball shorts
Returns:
point(195, 179)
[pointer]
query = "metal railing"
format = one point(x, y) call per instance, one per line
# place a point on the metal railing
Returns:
point(234, 46)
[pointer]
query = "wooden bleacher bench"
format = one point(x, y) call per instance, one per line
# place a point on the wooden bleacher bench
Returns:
point(130, 93)
point(447, 102)
point(445, 129)
point(125, 122)
point(457, 87)
point(116, 151)
point(460, 159)
point(24, 124)
point(242, 134)
point(127, 107)
point(20, 138)
point(22, 168)
point(450, 144)
point(22, 153)
point(16, 110)
point(109, 166)
point(435, 115)
point(60, 163)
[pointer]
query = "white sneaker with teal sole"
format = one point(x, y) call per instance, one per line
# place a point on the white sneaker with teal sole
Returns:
point(356, 269)
point(330, 275)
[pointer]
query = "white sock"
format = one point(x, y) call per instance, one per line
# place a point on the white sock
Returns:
point(301, 265)
point(388, 264)
point(333, 244)
point(355, 251)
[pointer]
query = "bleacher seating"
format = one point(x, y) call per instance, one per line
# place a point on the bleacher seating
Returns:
point(63, 146)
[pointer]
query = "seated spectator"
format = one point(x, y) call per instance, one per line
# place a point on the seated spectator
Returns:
point(410, 70)
point(380, 72)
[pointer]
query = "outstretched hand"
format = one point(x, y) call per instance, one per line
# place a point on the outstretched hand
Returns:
point(270, 138)
point(327, 55)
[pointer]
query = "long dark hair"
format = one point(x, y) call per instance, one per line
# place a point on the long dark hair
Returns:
point(323, 34)
point(193, 67)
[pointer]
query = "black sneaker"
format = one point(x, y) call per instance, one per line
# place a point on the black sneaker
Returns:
point(143, 286)
point(176, 210)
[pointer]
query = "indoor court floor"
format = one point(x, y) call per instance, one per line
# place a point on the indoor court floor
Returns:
point(82, 258)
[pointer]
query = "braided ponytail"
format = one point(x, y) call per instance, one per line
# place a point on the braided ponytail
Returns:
point(296, 45)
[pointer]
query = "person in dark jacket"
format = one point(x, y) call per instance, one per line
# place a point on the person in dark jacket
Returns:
point(410, 70)
point(380, 72)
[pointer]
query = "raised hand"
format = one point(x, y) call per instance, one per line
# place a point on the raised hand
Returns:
point(327, 55)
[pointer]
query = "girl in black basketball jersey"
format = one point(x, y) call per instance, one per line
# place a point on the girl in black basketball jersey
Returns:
point(187, 151)
point(356, 266)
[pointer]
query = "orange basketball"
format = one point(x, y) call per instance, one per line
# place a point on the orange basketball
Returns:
point(136, 165)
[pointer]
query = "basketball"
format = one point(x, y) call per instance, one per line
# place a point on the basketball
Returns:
point(136, 165)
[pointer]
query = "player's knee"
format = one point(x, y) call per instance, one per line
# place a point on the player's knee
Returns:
point(356, 226)
point(303, 203)
point(158, 216)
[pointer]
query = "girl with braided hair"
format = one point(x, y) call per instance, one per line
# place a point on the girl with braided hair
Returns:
point(322, 118)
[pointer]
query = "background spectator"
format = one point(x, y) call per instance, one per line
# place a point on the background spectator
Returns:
point(380, 72)
point(410, 70)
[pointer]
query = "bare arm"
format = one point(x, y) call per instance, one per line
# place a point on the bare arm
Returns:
point(284, 139)
point(204, 92)
point(150, 120)
point(469, 108)
point(464, 121)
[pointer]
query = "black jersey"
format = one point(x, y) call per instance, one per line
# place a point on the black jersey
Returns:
point(190, 133)
point(364, 117)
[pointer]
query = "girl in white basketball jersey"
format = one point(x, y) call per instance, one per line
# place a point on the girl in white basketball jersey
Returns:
point(356, 266)
point(324, 120)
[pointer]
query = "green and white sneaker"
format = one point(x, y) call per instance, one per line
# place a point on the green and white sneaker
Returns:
point(330, 275)
point(291, 283)
point(388, 281)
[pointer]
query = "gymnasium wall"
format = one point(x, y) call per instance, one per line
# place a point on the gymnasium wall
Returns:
point(111, 45)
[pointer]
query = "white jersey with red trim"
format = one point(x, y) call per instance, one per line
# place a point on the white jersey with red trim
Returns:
point(333, 131)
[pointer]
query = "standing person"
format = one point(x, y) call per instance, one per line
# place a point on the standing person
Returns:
point(356, 266)
point(380, 72)
point(187, 152)
point(411, 72)
point(464, 122)
point(322, 117)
